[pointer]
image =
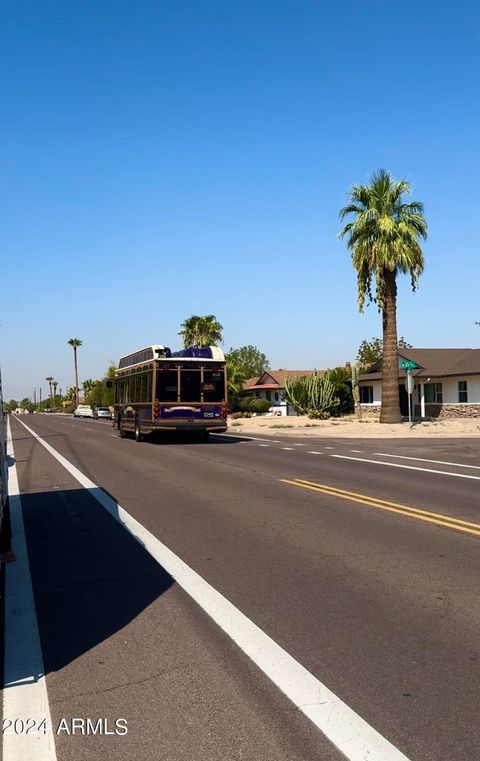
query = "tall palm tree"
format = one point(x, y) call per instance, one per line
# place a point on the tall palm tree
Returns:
point(49, 380)
point(384, 238)
point(54, 384)
point(75, 343)
point(201, 330)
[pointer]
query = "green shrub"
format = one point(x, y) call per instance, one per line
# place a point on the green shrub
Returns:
point(260, 405)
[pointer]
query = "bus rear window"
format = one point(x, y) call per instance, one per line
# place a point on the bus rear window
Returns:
point(167, 381)
point(190, 387)
point(213, 386)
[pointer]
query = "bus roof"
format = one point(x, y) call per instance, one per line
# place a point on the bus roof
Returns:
point(159, 351)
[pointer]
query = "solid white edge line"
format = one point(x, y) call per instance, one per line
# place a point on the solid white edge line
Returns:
point(408, 467)
point(423, 459)
point(25, 690)
point(345, 729)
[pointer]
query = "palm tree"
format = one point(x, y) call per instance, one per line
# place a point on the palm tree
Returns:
point(49, 380)
point(54, 384)
point(383, 237)
point(87, 386)
point(201, 330)
point(235, 379)
point(75, 343)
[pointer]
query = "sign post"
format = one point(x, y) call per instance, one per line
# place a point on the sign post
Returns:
point(408, 366)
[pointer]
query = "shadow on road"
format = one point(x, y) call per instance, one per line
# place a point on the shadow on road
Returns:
point(90, 577)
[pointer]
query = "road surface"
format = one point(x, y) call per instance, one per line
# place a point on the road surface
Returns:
point(267, 598)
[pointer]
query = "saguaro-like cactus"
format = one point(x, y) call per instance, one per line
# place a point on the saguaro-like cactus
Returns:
point(311, 395)
point(356, 389)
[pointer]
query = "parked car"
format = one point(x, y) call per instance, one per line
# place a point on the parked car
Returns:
point(83, 410)
point(104, 413)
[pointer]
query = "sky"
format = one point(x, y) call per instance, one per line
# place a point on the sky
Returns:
point(165, 158)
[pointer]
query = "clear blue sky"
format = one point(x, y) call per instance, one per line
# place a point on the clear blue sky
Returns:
point(166, 157)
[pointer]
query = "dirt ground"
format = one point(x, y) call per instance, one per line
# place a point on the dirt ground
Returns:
point(350, 427)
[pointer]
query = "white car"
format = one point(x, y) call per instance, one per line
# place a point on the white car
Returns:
point(83, 410)
point(104, 413)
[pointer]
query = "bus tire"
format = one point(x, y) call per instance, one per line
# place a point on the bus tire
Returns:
point(138, 434)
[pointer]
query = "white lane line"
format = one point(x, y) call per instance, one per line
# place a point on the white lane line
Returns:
point(263, 445)
point(25, 689)
point(289, 449)
point(357, 451)
point(313, 452)
point(299, 445)
point(329, 447)
point(408, 467)
point(244, 436)
point(423, 459)
point(351, 734)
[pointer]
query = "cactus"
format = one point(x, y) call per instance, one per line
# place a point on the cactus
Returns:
point(356, 389)
point(311, 395)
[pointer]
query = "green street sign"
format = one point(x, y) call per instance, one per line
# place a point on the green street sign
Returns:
point(408, 365)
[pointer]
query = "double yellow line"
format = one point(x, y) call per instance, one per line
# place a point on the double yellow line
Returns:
point(393, 507)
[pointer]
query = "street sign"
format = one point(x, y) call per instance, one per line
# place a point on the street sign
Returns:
point(409, 383)
point(408, 365)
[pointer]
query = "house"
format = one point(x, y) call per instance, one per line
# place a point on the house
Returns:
point(271, 386)
point(447, 383)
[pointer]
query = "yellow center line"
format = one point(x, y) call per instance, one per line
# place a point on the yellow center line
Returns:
point(393, 507)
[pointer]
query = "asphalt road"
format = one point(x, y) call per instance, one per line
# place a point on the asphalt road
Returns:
point(359, 558)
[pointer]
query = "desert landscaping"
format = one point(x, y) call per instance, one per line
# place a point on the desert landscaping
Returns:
point(351, 427)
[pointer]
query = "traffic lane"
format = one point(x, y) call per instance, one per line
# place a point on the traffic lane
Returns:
point(453, 495)
point(119, 640)
point(465, 450)
point(428, 451)
point(384, 613)
point(410, 483)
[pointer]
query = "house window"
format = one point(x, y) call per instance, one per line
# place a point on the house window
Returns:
point(366, 394)
point(462, 391)
point(268, 395)
point(276, 396)
point(257, 394)
point(433, 393)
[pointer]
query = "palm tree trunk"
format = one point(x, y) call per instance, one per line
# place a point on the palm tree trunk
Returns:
point(390, 412)
point(76, 375)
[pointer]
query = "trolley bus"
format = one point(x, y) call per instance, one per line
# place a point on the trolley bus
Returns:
point(160, 390)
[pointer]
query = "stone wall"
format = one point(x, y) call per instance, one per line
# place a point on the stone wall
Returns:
point(445, 411)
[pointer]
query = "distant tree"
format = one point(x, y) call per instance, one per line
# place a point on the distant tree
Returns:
point(54, 386)
point(200, 330)
point(49, 380)
point(87, 386)
point(11, 405)
point(371, 351)
point(75, 343)
point(384, 234)
point(235, 380)
point(99, 393)
point(249, 360)
point(25, 403)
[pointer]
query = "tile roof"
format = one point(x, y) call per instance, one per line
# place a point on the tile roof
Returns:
point(278, 378)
